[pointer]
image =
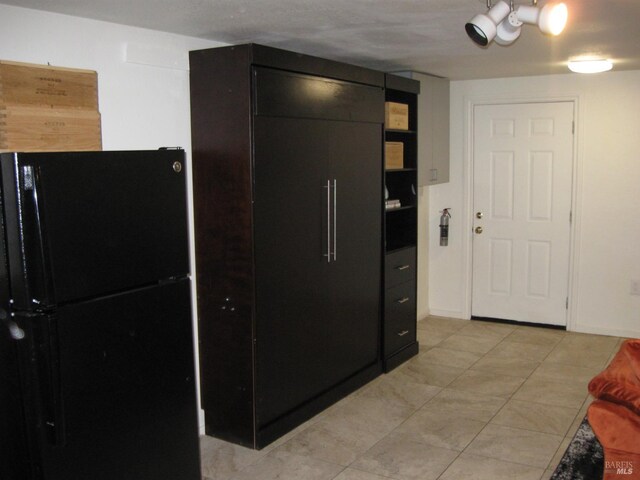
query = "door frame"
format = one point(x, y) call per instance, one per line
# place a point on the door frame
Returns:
point(470, 102)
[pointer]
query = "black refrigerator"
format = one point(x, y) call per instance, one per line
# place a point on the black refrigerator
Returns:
point(96, 343)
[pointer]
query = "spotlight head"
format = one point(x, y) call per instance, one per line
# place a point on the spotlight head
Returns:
point(482, 28)
point(553, 18)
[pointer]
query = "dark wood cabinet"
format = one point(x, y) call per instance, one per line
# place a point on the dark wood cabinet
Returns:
point(401, 230)
point(287, 151)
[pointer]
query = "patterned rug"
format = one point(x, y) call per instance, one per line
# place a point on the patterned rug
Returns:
point(584, 458)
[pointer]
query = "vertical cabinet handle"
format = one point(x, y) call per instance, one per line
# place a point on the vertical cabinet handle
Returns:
point(328, 254)
point(335, 221)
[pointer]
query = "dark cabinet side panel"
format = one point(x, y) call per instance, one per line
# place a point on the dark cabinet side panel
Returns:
point(221, 142)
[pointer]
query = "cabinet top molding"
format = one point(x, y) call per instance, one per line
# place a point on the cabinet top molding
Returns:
point(404, 84)
point(256, 54)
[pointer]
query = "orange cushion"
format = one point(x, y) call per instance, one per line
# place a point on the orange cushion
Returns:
point(618, 430)
point(632, 351)
point(620, 382)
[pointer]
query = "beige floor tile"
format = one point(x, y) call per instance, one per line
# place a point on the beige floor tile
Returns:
point(400, 458)
point(548, 473)
point(353, 474)
point(440, 429)
point(560, 452)
point(332, 442)
point(443, 323)
point(515, 445)
point(486, 383)
point(536, 336)
point(449, 358)
point(300, 428)
point(400, 389)
point(218, 466)
point(465, 405)
point(480, 345)
point(580, 416)
point(565, 373)
point(487, 329)
point(474, 467)
point(511, 366)
point(437, 375)
point(536, 417)
point(369, 414)
point(590, 342)
point(211, 447)
point(282, 465)
point(578, 356)
point(533, 352)
point(430, 337)
point(541, 390)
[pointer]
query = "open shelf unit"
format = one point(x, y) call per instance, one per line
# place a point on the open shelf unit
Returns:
point(401, 230)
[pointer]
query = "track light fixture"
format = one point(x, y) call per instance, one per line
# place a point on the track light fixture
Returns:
point(503, 21)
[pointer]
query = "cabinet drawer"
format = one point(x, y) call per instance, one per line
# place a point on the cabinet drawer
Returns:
point(287, 94)
point(399, 267)
point(399, 317)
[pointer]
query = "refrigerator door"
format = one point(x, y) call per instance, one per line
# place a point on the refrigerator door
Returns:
point(14, 460)
point(85, 224)
point(115, 395)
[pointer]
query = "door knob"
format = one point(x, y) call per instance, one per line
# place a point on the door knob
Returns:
point(479, 214)
point(478, 230)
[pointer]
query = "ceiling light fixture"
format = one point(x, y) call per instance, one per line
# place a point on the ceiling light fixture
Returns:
point(590, 66)
point(482, 28)
point(504, 21)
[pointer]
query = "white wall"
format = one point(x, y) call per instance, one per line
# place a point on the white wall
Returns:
point(143, 105)
point(606, 211)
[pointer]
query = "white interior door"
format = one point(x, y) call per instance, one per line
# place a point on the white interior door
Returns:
point(522, 173)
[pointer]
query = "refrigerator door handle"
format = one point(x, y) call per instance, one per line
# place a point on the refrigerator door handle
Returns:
point(39, 284)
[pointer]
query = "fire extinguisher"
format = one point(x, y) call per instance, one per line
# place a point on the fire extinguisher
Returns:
point(444, 227)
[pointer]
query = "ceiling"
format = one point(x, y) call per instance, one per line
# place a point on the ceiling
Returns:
point(392, 35)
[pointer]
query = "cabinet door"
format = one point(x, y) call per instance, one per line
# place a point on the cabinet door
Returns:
point(290, 232)
point(354, 277)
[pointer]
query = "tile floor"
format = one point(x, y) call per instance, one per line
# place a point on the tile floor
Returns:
point(480, 401)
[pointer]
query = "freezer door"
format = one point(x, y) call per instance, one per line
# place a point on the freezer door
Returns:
point(86, 224)
point(114, 387)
